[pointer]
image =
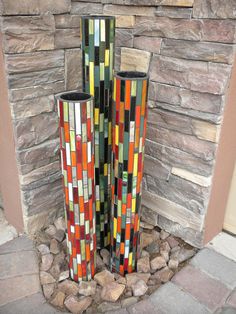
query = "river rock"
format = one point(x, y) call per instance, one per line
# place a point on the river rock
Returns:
point(158, 263)
point(64, 275)
point(143, 265)
point(48, 290)
point(46, 278)
point(76, 305)
point(43, 249)
point(87, 288)
point(69, 287)
point(47, 261)
point(58, 299)
point(132, 278)
point(54, 247)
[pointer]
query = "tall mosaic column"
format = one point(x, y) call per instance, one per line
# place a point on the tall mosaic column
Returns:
point(75, 112)
point(98, 34)
point(129, 130)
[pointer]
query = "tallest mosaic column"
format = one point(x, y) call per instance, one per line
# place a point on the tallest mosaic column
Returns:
point(98, 34)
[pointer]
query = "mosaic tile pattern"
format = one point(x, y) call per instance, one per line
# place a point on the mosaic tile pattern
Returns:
point(98, 63)
point(129, 130)
point(77, 162)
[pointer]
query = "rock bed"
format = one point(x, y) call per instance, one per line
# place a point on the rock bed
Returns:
point(162, 256)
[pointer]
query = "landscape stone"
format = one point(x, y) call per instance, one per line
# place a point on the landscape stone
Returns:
point(64, 275)
point(105, 254)
point(153, 248)
point(60, 223)
point(103, 278)
point(183, 254)
point(132, 278)
point(69, 287)
point(54, 247)
point(172, 242)
point(112, 291)
point(48, 290)
point(87, 288)
point(139, 288)
point(55, 271)
point(146, 225)
point(59, 235)
point(51, 230)
point(173, 264)
point(57, 299)
point(46, 278)
point(129, 301)
point(143, 265)
point(47, 261)
point(164, 275)
point(164, 235)
point(146, 239)
point(76, 305)
point(158, 263)
point(108, 306)
point(43, 249)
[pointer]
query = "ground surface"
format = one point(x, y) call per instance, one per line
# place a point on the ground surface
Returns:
point(206, 285)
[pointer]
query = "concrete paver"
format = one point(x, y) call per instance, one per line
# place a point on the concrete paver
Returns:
point(18, 287)
point(144, 306)
point(224, 244)
point(19, 244)
point(205, 289)
point(18, 264)
point(216, 266)
point(232, 299)
point(171, 299)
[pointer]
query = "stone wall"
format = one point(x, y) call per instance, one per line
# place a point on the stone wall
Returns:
point(187, 46)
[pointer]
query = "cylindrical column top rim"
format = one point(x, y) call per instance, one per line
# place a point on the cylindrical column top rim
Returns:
point(74, 96)
point(131, 75)
point(98, 17)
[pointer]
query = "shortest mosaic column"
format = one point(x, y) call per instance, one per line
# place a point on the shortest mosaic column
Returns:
point(129, 130)
point(75, 111)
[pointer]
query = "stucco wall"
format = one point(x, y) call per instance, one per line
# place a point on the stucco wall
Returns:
point(186, 46)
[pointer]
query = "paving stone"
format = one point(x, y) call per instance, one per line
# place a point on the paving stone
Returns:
point(217, 266)
point(18, 264)
point(170, 295)
point(144, 306)
point(22, 243)
point(18, 287)
point(108, 307)
point(232, 299)
point(32, 304)
point(120, 311)
point(206, 290)
point(226, 310)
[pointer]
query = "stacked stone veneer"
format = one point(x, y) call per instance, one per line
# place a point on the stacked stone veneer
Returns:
point(186, 46)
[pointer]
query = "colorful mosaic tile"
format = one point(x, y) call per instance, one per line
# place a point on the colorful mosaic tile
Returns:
point(98, 63)
point(129, 129)
point(75, 111)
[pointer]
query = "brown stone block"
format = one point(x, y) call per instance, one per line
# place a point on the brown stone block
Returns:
point(223, 31)
point(67, 21)
point(134, 60)
point(170, 28)
point(178, 158)
point(187, 143)
point(38, 156)
point(36, 61)
point(26, 34)
point(111, 9)
point(36, 91)
point(202, 51)
point(124, 37)
point(34, 7)
point(195, 75)
point(35, 130)
point(67, 38)
point(214, 9)
point(38, 201)
point(27, 108)
point(174, 12)
point(125, 21)
point(73, 69)
point(85, 8)
point(28, 79)
point(148, 43)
